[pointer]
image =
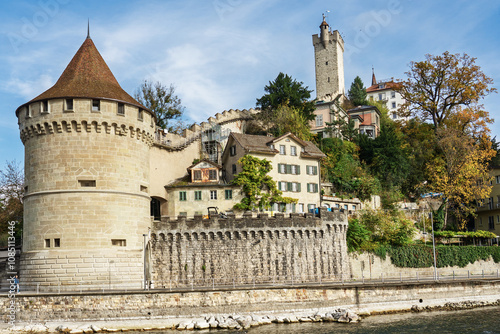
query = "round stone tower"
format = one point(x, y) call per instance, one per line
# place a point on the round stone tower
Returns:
point(86, 204)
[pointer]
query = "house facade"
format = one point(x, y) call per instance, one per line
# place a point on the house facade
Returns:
point(366, 119)
point(488, 210)
point(384, 91)
point(295, 166)
point(202, 188)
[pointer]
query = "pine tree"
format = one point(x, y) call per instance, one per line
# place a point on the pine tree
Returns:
point(357, 92)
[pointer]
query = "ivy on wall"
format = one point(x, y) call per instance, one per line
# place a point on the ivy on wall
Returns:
point(420, 256)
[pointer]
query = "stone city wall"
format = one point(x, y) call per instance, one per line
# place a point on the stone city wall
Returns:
point(300, 248)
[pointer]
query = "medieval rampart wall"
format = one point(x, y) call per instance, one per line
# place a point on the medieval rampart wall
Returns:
point(260, 249)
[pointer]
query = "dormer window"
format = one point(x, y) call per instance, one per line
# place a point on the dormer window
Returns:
point(96, 105)
point(45, 107)
point(121, 109)
point(68, 105)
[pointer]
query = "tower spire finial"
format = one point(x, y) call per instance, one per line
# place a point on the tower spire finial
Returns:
point(88, 28)
point(374, 80)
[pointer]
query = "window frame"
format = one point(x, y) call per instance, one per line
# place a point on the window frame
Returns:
point(182, 196)
point(228, 194)
point(282, 150)
point(67, 107)
point(120, 109)
point(212, 175)
point(232, 150)
point(93, 103)
point(198, 196)
point(44, 107)
point(319, 120)
point(213, 194)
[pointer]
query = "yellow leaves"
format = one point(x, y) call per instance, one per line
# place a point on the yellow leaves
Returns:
point(438, 87)
point(461, 174)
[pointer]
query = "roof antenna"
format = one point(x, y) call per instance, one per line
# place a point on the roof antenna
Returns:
point(88, 28)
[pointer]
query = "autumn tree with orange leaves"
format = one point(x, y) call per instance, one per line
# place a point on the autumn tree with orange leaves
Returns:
point(446, 91)
point(441, 87)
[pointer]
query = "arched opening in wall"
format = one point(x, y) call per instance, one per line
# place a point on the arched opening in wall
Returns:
point(155, 208)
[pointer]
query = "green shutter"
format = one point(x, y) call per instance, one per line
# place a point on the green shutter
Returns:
point(298, 170)
point(289, 169)
point(289, 186)
point(315, 168)
point(298, 187)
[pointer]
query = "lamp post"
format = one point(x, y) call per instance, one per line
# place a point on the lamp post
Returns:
point(433, 248)
point(144, 251)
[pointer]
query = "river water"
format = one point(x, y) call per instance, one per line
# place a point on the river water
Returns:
point(480, 320)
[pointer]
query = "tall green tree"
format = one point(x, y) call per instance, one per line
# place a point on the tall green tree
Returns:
point(162, 101)
point(357, 92)
point(286, 91)
point(259, 188)
point(290, 119)
point(344, 170)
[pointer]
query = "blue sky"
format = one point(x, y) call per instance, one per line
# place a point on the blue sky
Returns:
point(219, 54)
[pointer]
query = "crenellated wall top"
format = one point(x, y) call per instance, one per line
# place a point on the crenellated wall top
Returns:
point(252, 222)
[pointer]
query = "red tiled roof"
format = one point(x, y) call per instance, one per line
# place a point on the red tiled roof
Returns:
point(87, 76)
point(387, 85)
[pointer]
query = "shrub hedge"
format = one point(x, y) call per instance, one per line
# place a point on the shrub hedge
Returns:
point(420, 256)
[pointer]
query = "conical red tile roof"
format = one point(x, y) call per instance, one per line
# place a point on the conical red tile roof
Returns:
point(87, 76)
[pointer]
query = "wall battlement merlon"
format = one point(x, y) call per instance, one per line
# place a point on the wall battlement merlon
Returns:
point(78, 126)
point(336, 220)
point(179, 141)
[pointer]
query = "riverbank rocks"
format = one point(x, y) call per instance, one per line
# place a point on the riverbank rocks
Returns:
point(450, 306)
point(210, 322)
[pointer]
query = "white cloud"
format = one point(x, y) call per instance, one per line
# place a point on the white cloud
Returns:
point(28, 89)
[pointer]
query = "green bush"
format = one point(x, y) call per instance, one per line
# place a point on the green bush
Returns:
point(420, 256)
point(388, 227)
point(357, 235)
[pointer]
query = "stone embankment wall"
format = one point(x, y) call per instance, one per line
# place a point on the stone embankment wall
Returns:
point(299, 248)
point(156, 304)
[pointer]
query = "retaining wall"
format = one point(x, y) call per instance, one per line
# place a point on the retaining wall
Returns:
point(147, 305)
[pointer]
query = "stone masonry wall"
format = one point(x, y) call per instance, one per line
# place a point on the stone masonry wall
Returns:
point(157, 304)
point(301, 248)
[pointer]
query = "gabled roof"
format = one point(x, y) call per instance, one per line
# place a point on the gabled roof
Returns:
point(87, 76)
point(362, 109)
point(290, 135)
point(204, 161)
point(254, 143)
point(262, 144)
point(390, 85)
